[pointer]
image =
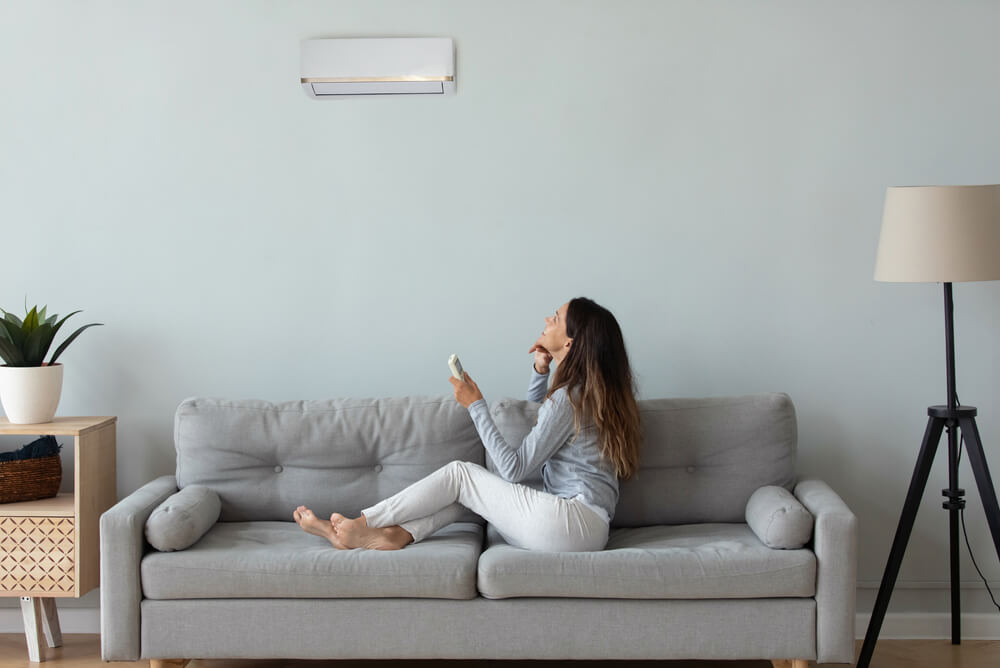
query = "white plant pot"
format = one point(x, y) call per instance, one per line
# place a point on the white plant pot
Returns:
point(30, 394)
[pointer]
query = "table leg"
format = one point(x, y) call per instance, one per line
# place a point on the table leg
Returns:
point(53, 634)
point(31, 610)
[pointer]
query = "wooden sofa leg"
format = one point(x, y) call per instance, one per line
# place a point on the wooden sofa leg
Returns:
point(168, 663)
point(790, 663)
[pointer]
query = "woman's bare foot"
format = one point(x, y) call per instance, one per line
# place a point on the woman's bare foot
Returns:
point(357, 533)
point(306, 519)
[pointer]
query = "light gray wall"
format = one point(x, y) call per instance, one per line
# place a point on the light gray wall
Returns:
point(713, 172)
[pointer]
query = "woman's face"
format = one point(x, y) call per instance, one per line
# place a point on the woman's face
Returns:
point(554, 337)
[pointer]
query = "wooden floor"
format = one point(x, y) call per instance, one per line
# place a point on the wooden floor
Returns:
point(83, 651)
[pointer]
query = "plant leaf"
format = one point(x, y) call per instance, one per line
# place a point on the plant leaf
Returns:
point(10, 353)
point(10, 317)
point(70, 315)
point(14, 332)
point(68, 341)
point(41, 314)
point(37, 345)
point(60, 323)
point(57, 327)
point(31, 320)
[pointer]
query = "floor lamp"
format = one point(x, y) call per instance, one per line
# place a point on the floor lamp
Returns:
point(940, 234)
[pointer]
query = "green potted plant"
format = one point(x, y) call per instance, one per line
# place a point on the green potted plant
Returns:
point(30, 387)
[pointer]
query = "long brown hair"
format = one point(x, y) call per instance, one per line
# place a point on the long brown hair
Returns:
point(599, 383)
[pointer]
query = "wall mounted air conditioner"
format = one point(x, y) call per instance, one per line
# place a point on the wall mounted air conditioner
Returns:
point(378, 66)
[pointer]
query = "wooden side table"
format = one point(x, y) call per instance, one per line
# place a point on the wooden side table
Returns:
point(51, 548)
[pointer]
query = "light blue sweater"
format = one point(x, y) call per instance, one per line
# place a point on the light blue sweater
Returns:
point(571, 464)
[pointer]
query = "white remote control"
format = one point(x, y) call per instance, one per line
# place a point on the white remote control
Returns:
point(456, 368)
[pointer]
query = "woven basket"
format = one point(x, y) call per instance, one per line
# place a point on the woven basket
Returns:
point(30, 479)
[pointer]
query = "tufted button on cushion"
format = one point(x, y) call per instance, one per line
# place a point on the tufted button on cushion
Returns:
point(278, 469)
point(234, 445)
point(690, 469)
point(378, 468)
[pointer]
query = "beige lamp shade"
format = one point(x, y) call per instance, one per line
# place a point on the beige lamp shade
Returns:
point(940, 234)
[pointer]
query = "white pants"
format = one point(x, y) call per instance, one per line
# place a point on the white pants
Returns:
point(525, 517)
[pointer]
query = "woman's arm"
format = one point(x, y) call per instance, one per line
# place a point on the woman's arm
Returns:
point(539, 373)
point(538, 385)
point(553, 429)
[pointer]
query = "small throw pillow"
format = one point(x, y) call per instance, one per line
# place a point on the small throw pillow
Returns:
point(778, 519)
point(183, 518)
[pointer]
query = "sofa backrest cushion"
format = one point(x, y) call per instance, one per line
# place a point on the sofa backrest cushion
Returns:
point(265, 459)
point(701, 458)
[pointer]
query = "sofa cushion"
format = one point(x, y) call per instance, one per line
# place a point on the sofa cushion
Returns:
point(182, 518)
point(663, 562)
point(280, 560)
point(515, 418)
point(778, 519)
point(340, 455)
point(701, 459)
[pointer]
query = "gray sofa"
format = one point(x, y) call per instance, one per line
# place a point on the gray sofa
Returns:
point(683, 575)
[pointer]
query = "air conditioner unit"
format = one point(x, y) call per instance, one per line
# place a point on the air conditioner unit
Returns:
point(378, 66)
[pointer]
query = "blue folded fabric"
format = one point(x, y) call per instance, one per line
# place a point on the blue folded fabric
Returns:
point(45, 446)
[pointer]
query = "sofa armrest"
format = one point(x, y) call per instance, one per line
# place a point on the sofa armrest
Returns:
point(122, 546)
point(835, 543)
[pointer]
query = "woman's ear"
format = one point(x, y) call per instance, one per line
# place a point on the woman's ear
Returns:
point(569, 342)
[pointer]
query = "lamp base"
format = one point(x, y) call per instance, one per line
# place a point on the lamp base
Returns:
point(940, 417)
point(952, 413)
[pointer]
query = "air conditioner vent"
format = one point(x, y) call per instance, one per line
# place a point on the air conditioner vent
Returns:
point(378, 66)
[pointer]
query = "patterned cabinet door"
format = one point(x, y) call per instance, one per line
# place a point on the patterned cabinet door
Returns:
point(36, 556)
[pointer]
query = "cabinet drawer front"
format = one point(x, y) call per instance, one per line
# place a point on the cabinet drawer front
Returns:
point(36, 556)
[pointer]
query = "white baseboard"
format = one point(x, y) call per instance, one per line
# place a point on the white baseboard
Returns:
point(917, 625)
point(71, 620)
point(900, 625)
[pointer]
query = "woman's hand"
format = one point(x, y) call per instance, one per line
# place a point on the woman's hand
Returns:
point(542, 358)
point(466, 393)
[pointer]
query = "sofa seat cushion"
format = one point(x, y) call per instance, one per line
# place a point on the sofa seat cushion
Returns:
point(280, 560)
point(694, 561)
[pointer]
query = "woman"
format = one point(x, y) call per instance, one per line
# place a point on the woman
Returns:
point(586, 438)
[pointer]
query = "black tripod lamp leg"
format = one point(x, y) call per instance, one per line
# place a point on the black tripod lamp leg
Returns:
point(954, 506)
point(918, 482)
point(987, 492)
